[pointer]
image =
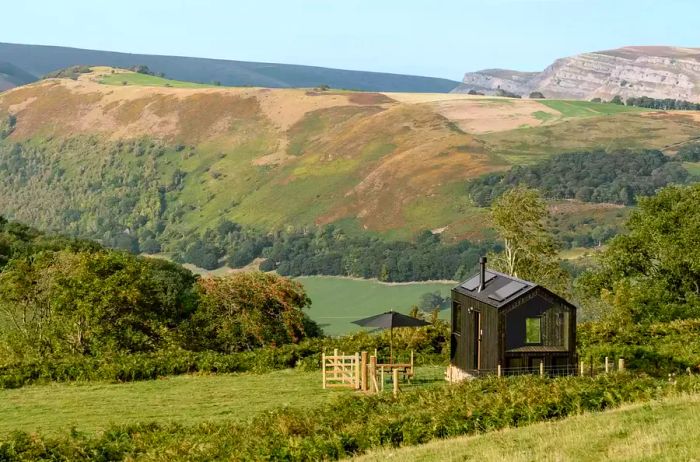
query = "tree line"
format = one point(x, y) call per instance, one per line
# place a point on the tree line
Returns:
point(331, 251)
point(588, 176)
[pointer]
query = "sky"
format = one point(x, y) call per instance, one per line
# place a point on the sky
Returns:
point(440, 38)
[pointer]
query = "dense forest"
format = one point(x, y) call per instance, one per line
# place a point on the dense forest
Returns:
point(331, 251)
point(589, 176)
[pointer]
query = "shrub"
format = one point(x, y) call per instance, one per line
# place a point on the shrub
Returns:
point(352, 424)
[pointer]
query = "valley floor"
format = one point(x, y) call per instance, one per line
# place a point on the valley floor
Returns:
point(667, 430)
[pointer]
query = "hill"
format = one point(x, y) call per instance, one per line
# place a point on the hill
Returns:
point(650, 431)
point(653, 71)
point(119, 156)
point(38, 60)
point(12, 76)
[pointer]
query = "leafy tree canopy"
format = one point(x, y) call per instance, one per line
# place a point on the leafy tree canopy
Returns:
point(653, 272)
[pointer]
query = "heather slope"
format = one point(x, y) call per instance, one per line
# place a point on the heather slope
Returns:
point(116, 152)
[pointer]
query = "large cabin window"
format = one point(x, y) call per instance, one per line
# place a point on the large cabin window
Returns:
point(533, 330)
point(456, 318)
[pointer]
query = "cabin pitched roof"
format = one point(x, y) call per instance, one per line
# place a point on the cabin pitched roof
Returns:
point(500, 288)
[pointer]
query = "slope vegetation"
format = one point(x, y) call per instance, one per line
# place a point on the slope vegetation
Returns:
point(664, 431)
point(113, 152)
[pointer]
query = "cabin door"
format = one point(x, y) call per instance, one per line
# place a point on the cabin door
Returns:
point(475, 336)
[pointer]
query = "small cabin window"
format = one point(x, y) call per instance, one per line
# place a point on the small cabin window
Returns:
point(456, 318)
point(533, 330)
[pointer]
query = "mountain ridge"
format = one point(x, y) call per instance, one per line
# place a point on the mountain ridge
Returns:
point(39, 60)
point(654, 71)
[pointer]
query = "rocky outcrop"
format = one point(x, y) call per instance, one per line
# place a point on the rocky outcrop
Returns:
point(657, 72)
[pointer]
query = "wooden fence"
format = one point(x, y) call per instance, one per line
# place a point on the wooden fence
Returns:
point(362, 372)
point(341, 371)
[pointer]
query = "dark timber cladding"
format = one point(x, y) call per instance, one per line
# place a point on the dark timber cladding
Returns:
point(501, 320)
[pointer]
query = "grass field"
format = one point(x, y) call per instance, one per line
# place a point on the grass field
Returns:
point(576, 109)
point(660, 431)
point(186, 399)
point(145, 80)
point(692, 167)
point(339, 301)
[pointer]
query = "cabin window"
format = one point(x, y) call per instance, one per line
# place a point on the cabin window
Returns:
point(533, 330)
point(456, 318)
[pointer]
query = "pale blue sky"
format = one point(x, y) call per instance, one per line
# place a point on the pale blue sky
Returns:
point(442, 38)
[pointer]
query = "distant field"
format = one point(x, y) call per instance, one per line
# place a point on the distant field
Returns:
point(339, 301)
point(186, 399)
point(569, 108)
point(134, 78)
point(692, 167)
point(660, 431)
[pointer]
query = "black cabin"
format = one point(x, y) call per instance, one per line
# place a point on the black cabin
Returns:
point(500, 320)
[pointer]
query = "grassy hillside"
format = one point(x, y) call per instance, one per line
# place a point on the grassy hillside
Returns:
point(146, 80)
point(40, 60)
point(665, 430)
point(151, 161)
point(339, 301)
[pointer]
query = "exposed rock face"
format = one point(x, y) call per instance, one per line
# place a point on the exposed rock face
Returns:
point(657, 72)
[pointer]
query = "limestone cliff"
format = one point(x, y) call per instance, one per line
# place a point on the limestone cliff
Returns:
point(657, 72)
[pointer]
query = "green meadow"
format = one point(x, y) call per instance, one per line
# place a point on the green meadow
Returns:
point(135, 78)
point(186, 399)
point(575, 109)
point(337, 301)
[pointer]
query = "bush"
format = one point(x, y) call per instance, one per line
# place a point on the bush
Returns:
point(353, 424)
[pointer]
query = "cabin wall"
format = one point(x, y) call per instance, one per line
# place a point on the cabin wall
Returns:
point(555, 325)
point(463, 344)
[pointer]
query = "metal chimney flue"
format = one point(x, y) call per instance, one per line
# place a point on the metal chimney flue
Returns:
point(482, 273)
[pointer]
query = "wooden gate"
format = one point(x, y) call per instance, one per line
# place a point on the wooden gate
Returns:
point(341, 370)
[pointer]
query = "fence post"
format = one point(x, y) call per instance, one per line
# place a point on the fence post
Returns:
point(382, 377)
point(583, 369)
point(542, 368)
point(363, 370)
point(373, 374)
point(621, 364)
point(498, 369)
point(357, 371)
point(412, 371)
point(395, 373)
point(607, 365)
point(323, 369)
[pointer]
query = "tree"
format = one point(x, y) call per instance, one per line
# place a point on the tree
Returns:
point(536, 95)
point(617, 99)
point(91, 303)
point(248, 310)
point(530, 251)
point(653, 272)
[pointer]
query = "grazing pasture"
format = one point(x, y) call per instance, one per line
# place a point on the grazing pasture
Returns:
point(338, 301)
point(184, 399)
